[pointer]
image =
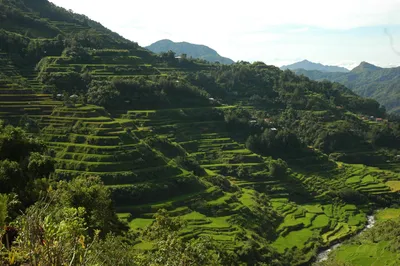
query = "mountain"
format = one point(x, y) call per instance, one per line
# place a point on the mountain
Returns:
point(367, 80)
point(365, 67)
point(307, 65)
point(191, 50)
point(113, 155)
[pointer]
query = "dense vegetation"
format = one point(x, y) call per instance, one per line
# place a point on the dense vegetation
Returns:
point(381, 84)
point(112, 155)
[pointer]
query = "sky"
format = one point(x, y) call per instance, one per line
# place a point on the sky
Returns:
point(340, 32)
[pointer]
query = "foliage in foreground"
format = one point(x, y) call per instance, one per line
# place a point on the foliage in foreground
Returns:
point(50, 235)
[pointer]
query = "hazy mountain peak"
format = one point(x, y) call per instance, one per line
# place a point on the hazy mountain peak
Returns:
point(190, 49)
point(365, 66)
point(308, 65)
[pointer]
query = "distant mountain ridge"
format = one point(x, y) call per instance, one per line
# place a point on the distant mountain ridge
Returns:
point(367, 80)
point(190, 49)
point(365, 66)
point(307, 65)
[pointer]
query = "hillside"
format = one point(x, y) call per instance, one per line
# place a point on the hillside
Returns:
point(307, 65)
point(367, 80)
point(120, 156)
point(380, 244)
point(190, 49)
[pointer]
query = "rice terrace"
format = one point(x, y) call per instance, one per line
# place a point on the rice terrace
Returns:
point(111, 154)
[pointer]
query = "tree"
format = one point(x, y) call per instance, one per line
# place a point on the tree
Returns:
point(53, 236)
point(29, 124)
point(278, 168)
point(102, 93)
point(275, 143)
point(23, 161)
point(40, 165)
point(91, 194)
point(3, 210)
point(16, 145)
point(170, 249)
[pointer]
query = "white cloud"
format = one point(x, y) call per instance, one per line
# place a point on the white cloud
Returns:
point(299, 30)
point(245, 30)
point(346, 63)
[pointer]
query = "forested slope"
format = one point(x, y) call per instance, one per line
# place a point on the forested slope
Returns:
point(203, 164)
point(381, 84)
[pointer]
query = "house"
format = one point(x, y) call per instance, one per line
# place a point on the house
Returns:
point(380, 120)
point(74, 96)
point(274, 129)
point(372, 118)
point(253, 121)
point(211, 99)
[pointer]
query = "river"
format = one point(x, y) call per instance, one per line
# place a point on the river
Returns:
point(323, 255)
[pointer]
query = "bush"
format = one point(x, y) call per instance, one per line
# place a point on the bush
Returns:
point(278, 168)
point(349, 195)
point(190, 164)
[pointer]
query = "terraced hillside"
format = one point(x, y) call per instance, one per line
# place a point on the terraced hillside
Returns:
point(377, 246)
point(87, 141)
point(190, 162)
point(21, 95)
point(306, 211)
point(269, 164)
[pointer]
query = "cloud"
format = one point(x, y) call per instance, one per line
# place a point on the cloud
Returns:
point(349, 64)
point(299, 30)
point(254, 29)
point(236, 15)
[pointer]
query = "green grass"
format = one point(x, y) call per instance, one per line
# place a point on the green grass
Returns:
point(144, 246)
point(293, 239)
point(387, 214)
point(239, 151)
point(313, 208)
point(368, 179)
point(353, 180)
point(235, 164)
point(394, 185)
point(375, 254)
point(373, 248)
point(140, 223)
point(168, 203)
point(357, 220)
point(247, 198)
point(218, 222)
point(321, 221)
point(220, 200)
point(123, 216)
point(193, 216)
